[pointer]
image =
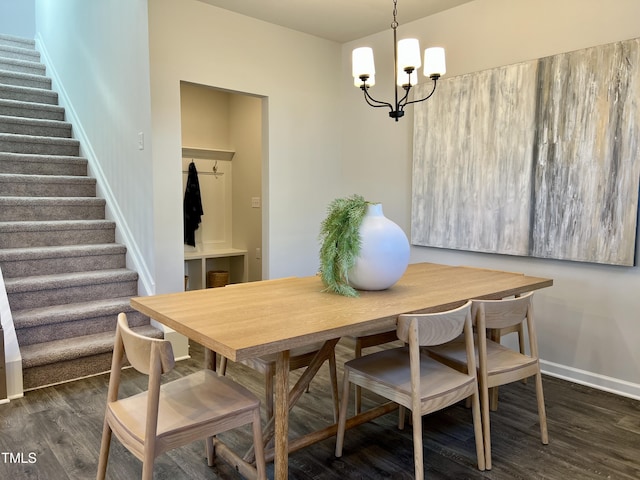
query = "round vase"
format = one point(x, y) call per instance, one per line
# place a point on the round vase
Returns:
point(384, 252)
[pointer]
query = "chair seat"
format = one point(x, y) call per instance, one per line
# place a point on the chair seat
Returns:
point(391, 368)
point(190, 401)
point(500, 359)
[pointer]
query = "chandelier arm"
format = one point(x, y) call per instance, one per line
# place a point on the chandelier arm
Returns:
point(403, 100)
point(375, 103)
point(435, 83)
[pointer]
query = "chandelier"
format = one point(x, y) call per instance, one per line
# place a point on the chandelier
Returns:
point(406, 56)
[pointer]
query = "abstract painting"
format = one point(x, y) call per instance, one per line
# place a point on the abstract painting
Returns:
point(540, 159)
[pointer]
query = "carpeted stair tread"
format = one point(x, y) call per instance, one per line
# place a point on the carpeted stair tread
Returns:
point(42, 164)
point(13, 40)
point(14, 143)
point(27, 125)
point(40, 226)
point(70, 312)
point(28, 94)
point(67, 280)
point(22, 66)
point(14, 254)
point(62, 350)
point(20, 53)
point(14, 209)
point(62, 179)
point(21, 109)
point(20, 185)
point(24, 79)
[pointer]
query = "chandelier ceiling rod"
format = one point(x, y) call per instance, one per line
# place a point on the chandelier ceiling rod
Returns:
point(406, 58)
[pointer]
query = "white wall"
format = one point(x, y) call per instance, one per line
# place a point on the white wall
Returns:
point(588, 321)
point(299, 76)
point(17, 17)
point(100, 57)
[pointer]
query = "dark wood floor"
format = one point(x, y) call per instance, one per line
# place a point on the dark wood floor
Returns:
point(54, 433)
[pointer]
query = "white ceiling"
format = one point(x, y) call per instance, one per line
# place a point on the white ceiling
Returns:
point(337, 20)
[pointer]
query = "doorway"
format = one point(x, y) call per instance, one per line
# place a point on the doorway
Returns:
point(222, 134)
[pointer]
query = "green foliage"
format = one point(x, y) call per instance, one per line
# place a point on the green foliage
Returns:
point(340, 243)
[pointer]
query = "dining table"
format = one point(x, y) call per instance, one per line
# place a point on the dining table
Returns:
point(275, 316)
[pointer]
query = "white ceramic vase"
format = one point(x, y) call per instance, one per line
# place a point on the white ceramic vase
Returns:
point(384, 252)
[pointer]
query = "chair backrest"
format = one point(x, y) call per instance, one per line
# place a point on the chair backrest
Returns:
point(502, 313)
point(434, 328)
point(143, 351)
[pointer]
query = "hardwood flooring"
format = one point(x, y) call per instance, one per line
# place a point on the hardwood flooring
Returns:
point(54, 434)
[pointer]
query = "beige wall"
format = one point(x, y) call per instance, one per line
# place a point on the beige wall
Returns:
point(589, 328)
point(246, 135)
point(297, 75)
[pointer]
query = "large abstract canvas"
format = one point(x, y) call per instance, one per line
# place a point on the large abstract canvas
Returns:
point(540, 158)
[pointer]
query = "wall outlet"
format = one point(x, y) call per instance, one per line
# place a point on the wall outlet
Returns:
point(140, 140)
point(255, 202)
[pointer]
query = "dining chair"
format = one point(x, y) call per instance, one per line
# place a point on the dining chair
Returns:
point(198, 406)
point(497, 364)
point(374, 338)
point(409, 377)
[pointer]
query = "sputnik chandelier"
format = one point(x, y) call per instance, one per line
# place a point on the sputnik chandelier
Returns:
point(406, 56)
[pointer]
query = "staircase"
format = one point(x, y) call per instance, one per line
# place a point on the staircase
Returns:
point(65, 276)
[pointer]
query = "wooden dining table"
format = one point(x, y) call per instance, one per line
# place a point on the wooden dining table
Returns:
point(275, 316)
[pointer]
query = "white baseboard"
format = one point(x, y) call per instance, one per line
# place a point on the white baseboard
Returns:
point(590, 379)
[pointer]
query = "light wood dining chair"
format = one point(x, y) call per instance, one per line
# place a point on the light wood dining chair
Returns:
point(409, 377)
point(367, 340)
point(496, 364)
point(164, 417)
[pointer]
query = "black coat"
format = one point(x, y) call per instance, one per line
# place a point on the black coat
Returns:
point(192, 206)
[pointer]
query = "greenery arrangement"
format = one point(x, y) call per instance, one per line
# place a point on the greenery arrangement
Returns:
point(340, 243)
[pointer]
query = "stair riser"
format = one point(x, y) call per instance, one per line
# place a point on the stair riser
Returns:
point(61, 130)
point(47, 189)
point(31, 96)
point(33, 110)
point(46, 212)
point(61, 296)
point(89, 326)
point(42, 166)
point(35, 81)
point(64, 371)
point(18, 53)
point(28, 268)
point(44, 238)
point(16, 66)
point(53, 148)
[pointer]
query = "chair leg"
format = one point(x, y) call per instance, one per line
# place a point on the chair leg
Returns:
point(342, 418)
point(258, 446)
point(542, 414)
point(223, 366)
point(104, 451)
point(486, 424)
point(477, 430)
point(418, 458)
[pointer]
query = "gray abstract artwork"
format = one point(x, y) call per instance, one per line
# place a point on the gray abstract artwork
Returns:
point(541, 158)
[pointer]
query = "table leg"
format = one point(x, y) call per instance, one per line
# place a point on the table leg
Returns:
point(281, 460)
